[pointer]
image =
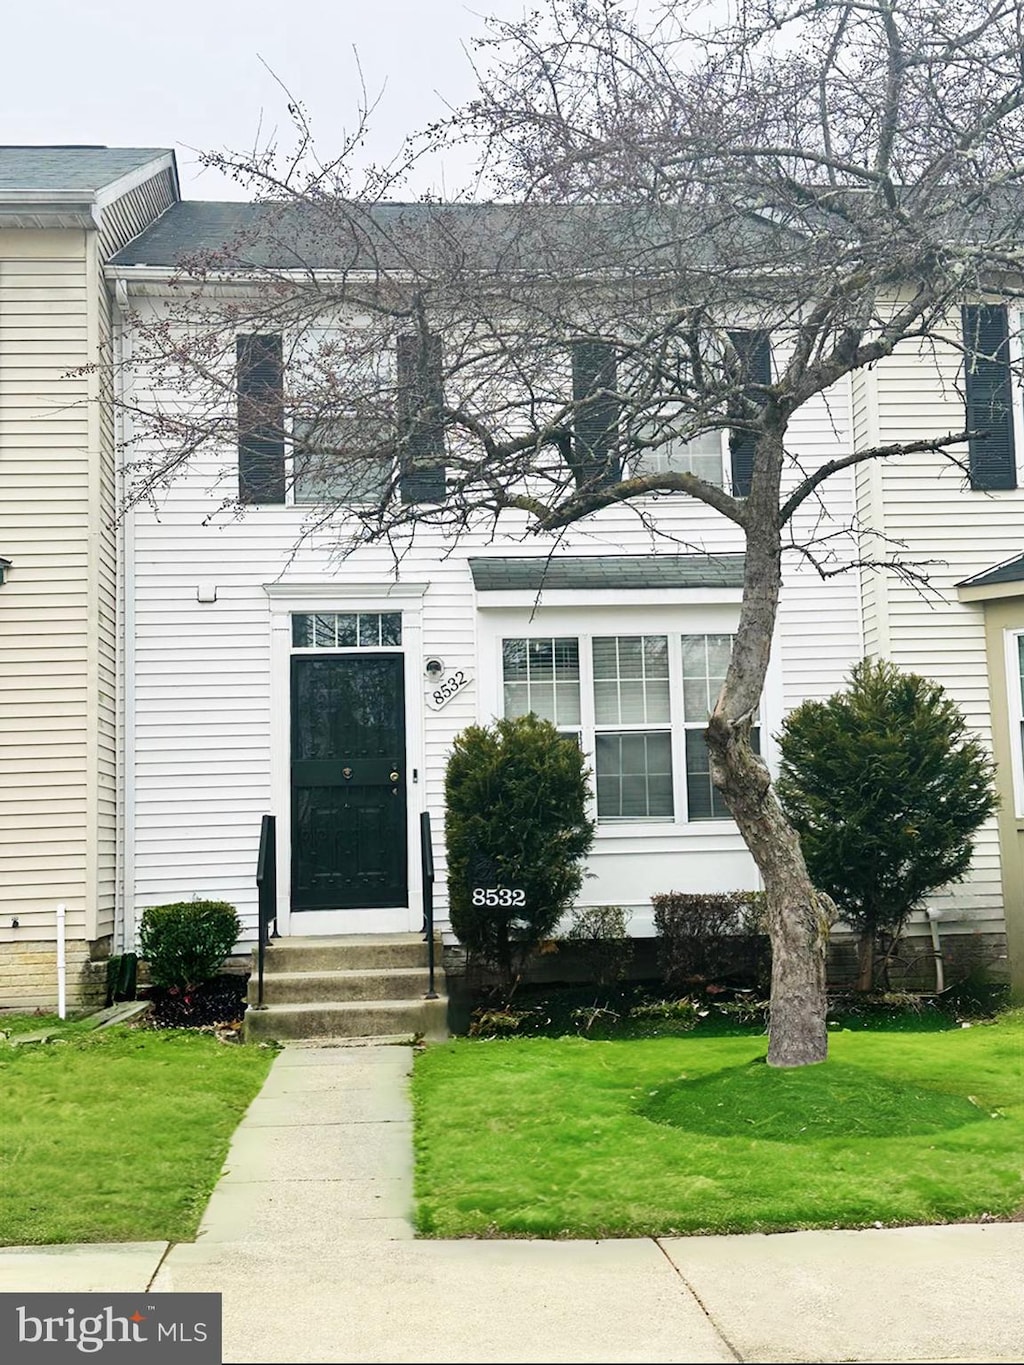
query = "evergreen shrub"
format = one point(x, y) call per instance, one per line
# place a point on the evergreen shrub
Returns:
point(185, 943)
point(516, 796)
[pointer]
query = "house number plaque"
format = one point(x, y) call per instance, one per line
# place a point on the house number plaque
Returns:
point(441, 691)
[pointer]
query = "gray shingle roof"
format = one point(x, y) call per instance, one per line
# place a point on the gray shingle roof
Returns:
point(86, 169)
point(330, 234)
point(504, 573)
point(1010, 572)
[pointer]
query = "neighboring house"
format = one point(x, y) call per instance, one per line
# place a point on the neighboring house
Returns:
point(965, 630)
point(63, 212)
point(254, 650)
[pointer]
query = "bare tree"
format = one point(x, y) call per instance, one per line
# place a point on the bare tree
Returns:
point(699, 230)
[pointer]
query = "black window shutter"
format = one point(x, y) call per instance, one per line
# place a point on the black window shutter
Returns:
point(754, 349)
point(596, 423)
point(420, 423)
point(989, 396)
point(259, 374)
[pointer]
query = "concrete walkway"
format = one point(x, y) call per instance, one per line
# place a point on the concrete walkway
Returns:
point(308, 1239)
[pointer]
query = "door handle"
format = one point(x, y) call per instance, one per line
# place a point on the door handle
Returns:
point(393, 777)
point(346, 773)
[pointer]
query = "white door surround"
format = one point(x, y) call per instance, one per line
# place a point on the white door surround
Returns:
point(285, 600)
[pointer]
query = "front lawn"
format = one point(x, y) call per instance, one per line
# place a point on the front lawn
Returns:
point(117, 1136)
point(574, 1137)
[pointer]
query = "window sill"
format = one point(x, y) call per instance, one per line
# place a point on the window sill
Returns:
point(631, 829)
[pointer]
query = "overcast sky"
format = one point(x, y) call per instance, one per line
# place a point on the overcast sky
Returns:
point(188, 74)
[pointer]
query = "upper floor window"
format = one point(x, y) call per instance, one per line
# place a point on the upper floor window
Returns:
point(325, 469)
point(338, 454)
point(701, 456)
point(989, 393)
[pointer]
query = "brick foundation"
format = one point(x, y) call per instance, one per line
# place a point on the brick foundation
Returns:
point(28, 974)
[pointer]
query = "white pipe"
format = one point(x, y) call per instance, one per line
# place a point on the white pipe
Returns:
point(62, 1001)
point(933, 925)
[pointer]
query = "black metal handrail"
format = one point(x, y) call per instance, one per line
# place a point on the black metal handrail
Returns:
point(427, 863)
point(266, 888)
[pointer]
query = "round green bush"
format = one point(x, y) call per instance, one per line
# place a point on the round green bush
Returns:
point(185, 943)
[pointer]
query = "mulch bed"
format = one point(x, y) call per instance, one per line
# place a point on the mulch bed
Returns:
point(217, 1002)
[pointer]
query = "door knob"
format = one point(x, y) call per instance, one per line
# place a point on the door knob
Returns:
point(394, 777)
point(346, 773)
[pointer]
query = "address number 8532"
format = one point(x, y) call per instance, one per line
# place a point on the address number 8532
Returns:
point(498, 895)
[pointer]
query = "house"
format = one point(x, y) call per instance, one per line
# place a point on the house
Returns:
point(63, 212)
point(253, 649)
point(965, 629)
point(251, 670)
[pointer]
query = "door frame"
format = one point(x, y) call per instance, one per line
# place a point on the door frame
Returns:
point(285, 599)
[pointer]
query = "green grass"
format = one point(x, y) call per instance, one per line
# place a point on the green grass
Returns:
point(15, 1023)
point(573, 1137)
point(118, 1135)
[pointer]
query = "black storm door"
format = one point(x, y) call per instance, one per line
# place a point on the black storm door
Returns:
point(348, 782)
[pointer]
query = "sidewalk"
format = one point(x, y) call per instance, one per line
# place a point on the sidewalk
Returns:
point(308, 1239)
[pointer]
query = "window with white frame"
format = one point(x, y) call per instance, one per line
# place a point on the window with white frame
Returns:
point(632, 728)
point(331, 462)
point(702, 455)
point(341, 399)
point(639, 705)
point(347, 630)
point(705, 662)
point(1015, 697)
point(542, 675)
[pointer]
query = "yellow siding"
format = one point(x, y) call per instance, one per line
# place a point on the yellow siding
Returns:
point(935, 522)
point(44, 605)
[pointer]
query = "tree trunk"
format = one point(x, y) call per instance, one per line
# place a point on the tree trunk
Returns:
point(866, 960)
point(799, 917)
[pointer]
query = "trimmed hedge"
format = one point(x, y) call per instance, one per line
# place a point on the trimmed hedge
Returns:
point(185, 943)
point(712, 937)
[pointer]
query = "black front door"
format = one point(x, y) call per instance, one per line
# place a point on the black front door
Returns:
point(348, 782)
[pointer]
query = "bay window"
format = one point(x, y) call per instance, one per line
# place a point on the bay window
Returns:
point(639, 706)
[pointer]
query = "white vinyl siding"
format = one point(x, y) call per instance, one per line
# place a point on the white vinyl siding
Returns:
point(925, 510)
point(203, 769)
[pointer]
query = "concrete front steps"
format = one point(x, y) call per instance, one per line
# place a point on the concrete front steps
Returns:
point(351, 986)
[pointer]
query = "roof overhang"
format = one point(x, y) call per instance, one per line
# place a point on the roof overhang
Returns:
point(502, 580)
point(32, 209)
point(81, 208)
point(1003, 580)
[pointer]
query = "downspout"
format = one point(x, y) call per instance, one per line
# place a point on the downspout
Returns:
point(933, 925)
point(62, 971)
point(126, 636)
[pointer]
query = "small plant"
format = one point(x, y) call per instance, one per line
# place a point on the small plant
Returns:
point(683, 1011)
point(586, 1016)
point(504, 1021)
point(599, 932)
point(708, 937)
point(186, 942)
point(517, 831)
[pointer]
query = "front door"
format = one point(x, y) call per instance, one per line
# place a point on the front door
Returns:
point(348, 782)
